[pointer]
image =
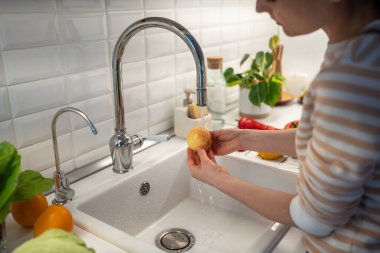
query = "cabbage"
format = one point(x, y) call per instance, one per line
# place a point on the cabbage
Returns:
point(55, 241)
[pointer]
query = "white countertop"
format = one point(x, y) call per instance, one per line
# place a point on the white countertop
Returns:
point(279, 117)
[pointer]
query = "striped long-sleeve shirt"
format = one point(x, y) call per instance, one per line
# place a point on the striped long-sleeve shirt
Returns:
point(338, 146)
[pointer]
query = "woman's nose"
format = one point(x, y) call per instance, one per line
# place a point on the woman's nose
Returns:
point(261, 6)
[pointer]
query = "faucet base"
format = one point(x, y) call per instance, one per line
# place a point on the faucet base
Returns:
point(121, 170)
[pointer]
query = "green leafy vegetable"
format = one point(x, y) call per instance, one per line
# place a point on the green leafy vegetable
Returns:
point(30, 184)
point(9, 172)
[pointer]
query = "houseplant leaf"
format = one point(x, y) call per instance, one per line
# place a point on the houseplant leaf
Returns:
point(274, 90)
point(260, 60)
point(257, 94)
point(273, 42)
point(245, 57)
point(228, 72)
point(268, 60)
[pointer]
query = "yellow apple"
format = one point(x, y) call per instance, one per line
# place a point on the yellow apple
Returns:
point(199, 137)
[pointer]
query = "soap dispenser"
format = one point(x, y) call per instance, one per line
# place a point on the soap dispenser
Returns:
point(188, 116)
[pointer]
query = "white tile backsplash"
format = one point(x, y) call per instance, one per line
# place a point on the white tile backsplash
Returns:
point(28, 30)
point(66, 166)
point(137, 121)
point(7, 131)
point(160, 112)
point(2, 74)
point(158, 4)
point(189, 18)
point(229, 34)
point(134, 74)
point(36, 127)
point(230, 15)
point(117, 5)
point(211, 3)
point(118, 21)
point(159, 45)
point(229, 52)
point(5, 109)
point(88, 84)
point(85, 56)
point(187, 3)
point(210, 17)
point(80, 6)
point(134, 51)
point(31, 64)
point(159, 68)
point(98, 109)
point(135, 98)
point(84, 140)
point(40, 156)
point(27, 6)
point(185, 81)
point(58, 53)
point(184, 63)
point(82, 27)
point(36, 96)
point(210, 36)
point(91, 156)
point(160, 127)
point(160, 90)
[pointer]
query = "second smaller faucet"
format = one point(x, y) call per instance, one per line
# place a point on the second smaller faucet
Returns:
point(63, 192)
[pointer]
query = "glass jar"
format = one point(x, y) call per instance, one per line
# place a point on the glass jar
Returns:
point(216, 88)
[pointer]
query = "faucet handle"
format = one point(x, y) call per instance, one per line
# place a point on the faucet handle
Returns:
point(158, 138)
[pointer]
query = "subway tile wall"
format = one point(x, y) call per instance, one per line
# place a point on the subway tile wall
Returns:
point(57, 53)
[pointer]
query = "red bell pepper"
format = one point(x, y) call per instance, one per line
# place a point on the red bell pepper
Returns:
point(249, 123)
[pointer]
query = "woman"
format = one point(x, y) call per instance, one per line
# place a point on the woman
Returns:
point(337, 203)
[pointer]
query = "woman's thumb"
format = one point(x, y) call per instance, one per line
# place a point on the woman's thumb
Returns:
point(202, 154)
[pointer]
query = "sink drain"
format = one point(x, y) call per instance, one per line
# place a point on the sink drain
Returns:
point(175, 240)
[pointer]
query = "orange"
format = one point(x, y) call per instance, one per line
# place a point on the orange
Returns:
point(269, 156)
point(55, 216)
point(26, 212)
point(199, 137)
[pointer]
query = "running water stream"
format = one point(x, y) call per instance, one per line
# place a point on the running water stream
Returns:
point(206, 197)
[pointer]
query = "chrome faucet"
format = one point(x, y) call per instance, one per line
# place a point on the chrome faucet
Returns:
point(121, 144)
point(63, 192)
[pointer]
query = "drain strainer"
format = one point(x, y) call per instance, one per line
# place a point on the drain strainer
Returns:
point(175, 240)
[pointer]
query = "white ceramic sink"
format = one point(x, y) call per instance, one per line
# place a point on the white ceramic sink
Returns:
point(117, 212)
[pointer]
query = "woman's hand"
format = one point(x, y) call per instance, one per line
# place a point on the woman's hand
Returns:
point(226, 141)
point(202, 166)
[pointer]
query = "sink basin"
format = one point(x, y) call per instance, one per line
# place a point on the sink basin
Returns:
point(132, 210)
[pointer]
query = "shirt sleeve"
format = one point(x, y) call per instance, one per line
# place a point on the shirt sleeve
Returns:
point(306, 222)
point(339, 156)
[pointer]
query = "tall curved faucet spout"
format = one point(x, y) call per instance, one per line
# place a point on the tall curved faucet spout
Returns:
point(121, 145)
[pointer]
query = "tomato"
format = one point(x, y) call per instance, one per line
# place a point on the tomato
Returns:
point(55, 216)
point(26, 212)
point(292, 124)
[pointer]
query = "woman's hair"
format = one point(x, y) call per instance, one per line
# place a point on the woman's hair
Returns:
point(366, 7)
